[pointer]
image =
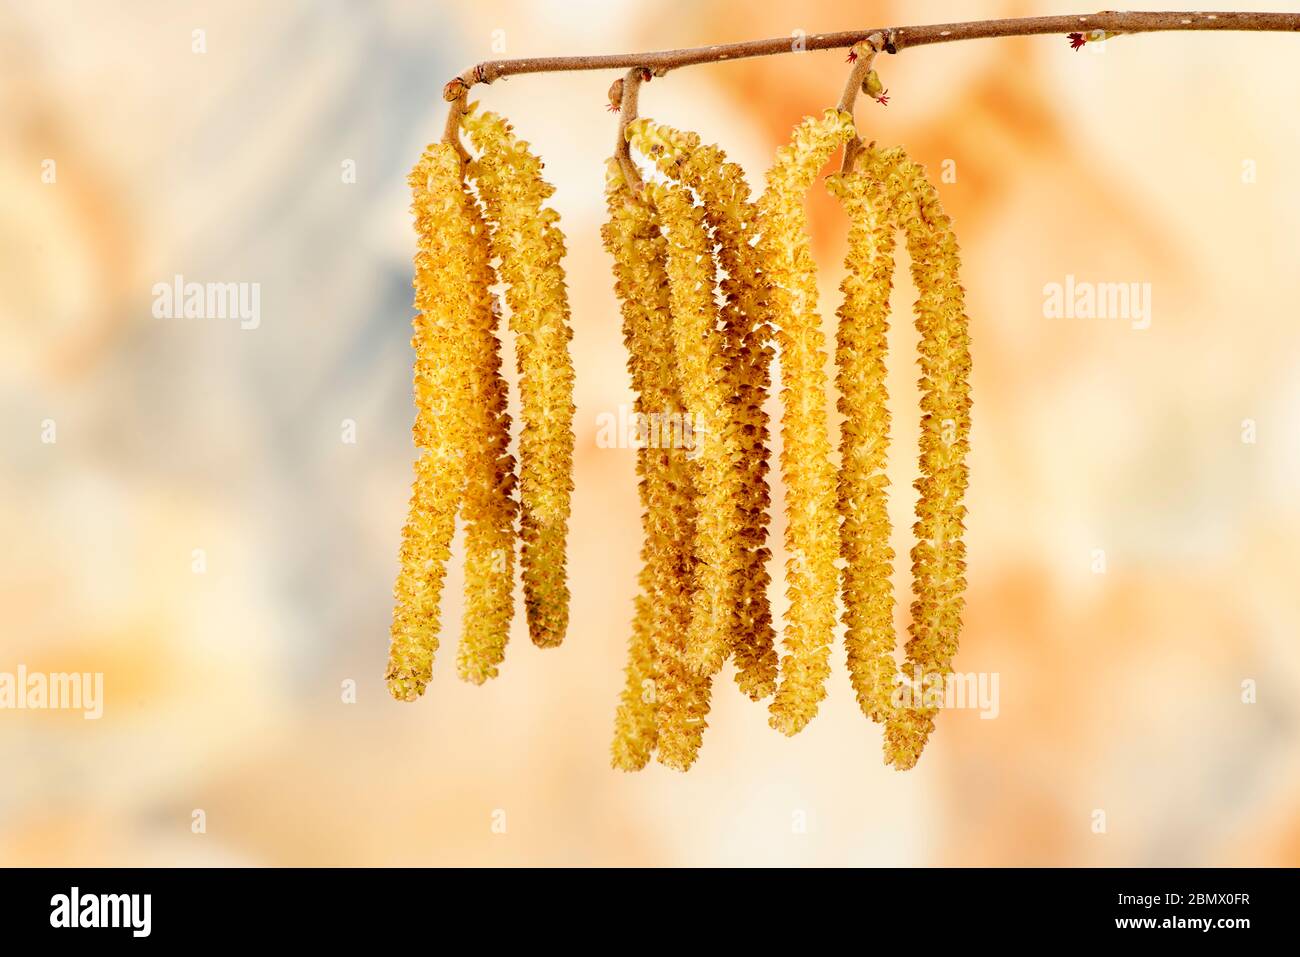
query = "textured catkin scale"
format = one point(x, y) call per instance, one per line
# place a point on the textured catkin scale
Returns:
point(705, 387)
point(528, 242)
point(636, 730)
point(671, 712)
point(489, 508)
point(861, 348)
point(447, 283)
point(724, 194)
point(938, 558)
point(812, 535)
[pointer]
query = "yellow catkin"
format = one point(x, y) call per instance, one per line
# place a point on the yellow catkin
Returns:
point(636, 732)
point(861, 348)
point(630, 238)
point(812, 534)
point(527, 240)
point(447, 283)
point(938, 557)
point(731, 216)
point(671, 712)
point(489, 508)
point(700, 358)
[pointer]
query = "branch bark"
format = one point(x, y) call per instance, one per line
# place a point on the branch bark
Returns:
point(897, 38)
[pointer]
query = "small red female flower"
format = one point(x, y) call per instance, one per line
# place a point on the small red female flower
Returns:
point(883, 98)
point(1077, 40)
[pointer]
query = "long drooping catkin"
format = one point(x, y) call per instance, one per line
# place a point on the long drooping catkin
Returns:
point(673, 716)
point(701, 363)
point(861, 348)
point(528, 242)
point(705, 277)
point(489, 508)
point(448, 281)
point(630, 238)
point(812, 535)
point(938, 557)
point(732, 218)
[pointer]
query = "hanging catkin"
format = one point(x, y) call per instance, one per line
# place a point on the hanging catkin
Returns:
point(861, 348)
point(489, 508)
point(701, 365)
point(630, 238)
point(528, 242)
point(939, 555)
point(707, 280)
point(448, 284)
point(811, 538)
point(886, 191)
point(671, 712)
point(732, 218)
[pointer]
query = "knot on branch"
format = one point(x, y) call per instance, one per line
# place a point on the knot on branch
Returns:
point(454, 89)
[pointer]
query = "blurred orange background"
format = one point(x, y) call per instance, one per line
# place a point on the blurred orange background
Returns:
point(1163, 159)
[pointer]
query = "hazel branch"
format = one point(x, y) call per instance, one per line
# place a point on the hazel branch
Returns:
point(896, 38)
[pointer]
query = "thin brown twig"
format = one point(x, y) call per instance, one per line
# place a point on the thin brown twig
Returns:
point(451, 132)
point(866, 52)
point(897, 38)
point(627, 112)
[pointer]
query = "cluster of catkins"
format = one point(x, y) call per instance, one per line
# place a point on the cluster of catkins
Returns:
point(468, 216)
point(710, 281)
point(713, 284)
